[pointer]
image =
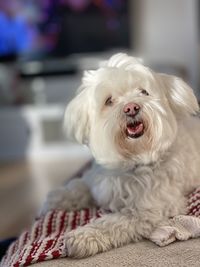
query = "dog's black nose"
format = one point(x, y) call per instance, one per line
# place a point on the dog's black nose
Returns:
point(131, 109)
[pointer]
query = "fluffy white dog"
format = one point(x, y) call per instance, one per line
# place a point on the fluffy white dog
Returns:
point(141, 129)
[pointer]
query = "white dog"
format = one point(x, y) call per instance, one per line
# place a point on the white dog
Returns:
point(141, 129)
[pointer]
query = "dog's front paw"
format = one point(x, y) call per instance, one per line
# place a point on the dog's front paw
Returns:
point(86, 241)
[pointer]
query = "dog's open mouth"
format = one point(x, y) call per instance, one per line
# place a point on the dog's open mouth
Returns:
point(135, 129)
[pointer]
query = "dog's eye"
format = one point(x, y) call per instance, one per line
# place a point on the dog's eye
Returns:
point(144, 92)
point(109, 101)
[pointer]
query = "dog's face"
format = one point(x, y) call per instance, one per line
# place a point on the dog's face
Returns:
point(128, 114)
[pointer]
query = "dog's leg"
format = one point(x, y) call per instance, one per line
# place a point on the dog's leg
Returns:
point(74, 196)
point(109, 231)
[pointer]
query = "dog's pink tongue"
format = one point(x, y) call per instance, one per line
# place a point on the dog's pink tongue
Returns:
point(135, 129)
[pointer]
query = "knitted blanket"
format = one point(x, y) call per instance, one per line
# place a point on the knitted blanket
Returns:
point(45, 239)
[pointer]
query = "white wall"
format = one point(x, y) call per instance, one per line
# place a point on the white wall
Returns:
point(167, 31)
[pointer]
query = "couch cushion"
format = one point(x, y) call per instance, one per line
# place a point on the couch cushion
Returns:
point(140, 254)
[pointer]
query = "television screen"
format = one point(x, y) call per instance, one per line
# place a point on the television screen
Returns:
point(57, 28)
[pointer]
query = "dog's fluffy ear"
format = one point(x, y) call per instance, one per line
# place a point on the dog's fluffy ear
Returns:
point(180, 95)
point(76, 118)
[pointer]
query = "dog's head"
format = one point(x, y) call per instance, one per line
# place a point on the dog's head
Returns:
point(126, 113)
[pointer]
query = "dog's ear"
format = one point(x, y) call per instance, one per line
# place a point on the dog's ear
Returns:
point(180, 95)
point(76, 118)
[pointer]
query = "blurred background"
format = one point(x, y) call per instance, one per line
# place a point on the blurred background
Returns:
point(44, 47)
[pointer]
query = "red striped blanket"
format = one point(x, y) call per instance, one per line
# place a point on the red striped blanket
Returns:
point(45, 239)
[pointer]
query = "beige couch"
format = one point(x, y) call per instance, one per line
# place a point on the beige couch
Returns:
point(142, 254)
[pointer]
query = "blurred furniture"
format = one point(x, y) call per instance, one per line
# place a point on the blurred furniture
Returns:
point(35, 127)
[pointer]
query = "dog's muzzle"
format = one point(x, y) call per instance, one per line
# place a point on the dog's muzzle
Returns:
point(134, 127)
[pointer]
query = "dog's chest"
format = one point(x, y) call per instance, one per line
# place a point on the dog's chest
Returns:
point(114, 193)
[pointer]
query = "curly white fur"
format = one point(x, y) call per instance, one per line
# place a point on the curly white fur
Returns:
point(143, 180)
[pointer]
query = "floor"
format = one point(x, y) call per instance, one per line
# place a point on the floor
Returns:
point(23, 187)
